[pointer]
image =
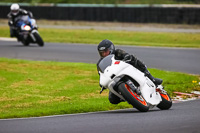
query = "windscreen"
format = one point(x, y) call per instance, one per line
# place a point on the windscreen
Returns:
point(25, 18)
point(22, 19)
point(104, 63)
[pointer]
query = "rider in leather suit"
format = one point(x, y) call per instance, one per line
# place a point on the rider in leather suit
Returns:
point(13, 15)
point(106, 47)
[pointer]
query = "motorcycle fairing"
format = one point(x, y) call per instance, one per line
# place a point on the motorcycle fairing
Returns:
point(146, 86)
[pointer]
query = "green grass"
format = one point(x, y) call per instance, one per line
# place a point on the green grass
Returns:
point(118, 37)
point(34, 88)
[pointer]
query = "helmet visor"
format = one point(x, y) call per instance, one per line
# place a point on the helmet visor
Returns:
point(15, 12)
point(104, 53)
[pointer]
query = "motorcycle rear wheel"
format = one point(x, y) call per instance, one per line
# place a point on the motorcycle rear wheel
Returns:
point(135, 100)
point(166, 102)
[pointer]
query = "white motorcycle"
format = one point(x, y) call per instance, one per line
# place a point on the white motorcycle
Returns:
point(131, 85)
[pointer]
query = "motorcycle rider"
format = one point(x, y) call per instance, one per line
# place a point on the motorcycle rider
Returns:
point(16, 12)
point(106, 47)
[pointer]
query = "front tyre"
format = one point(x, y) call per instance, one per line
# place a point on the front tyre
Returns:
point(166, 102)
point(25, 42)
point(135, 100)
point(39, 40)
point(24, 39)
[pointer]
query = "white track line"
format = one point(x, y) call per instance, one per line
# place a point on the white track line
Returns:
point(7, 39)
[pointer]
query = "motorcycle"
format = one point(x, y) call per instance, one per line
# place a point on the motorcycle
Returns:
point(28, 31)
point(131, 85)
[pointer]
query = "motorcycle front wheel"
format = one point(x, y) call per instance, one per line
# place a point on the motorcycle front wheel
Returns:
point(166, 102)
point(25, 42)
point(137, 101)
point(39, 40)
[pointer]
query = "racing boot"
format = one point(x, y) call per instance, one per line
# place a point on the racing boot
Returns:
point(156, 81)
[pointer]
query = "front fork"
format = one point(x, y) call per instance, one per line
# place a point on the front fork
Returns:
point(133, 87)
point(32, 36)
point(160, 89)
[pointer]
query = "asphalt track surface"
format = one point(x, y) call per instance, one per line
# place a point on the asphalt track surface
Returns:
point(172, 59)
point(183, 117)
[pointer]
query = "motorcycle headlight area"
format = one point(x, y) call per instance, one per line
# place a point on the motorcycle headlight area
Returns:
point(26, 27)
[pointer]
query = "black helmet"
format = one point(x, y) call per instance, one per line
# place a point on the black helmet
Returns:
point(106, 46)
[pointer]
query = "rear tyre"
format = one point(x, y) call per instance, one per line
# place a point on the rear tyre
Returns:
point(39, 40)
point(166, 102)
point(135, 100)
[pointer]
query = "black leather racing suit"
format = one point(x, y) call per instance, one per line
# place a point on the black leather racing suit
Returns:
point(121, 55)
point(13, 20)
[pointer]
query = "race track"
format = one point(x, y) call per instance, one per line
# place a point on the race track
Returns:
point(181, 118)
point(173, 59)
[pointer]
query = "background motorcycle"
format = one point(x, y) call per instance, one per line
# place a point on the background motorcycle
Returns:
point(131, 85)
point(27, 31)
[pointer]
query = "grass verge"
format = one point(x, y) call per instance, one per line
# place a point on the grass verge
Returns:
point(35, 88)
point(118, 37)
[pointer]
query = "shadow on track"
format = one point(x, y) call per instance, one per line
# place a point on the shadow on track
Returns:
point(21, 45)
point(130, 111)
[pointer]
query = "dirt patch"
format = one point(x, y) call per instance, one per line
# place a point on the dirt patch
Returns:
point(94, 95)
point(6, 99)
point(28, 82)
point(56, 99)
